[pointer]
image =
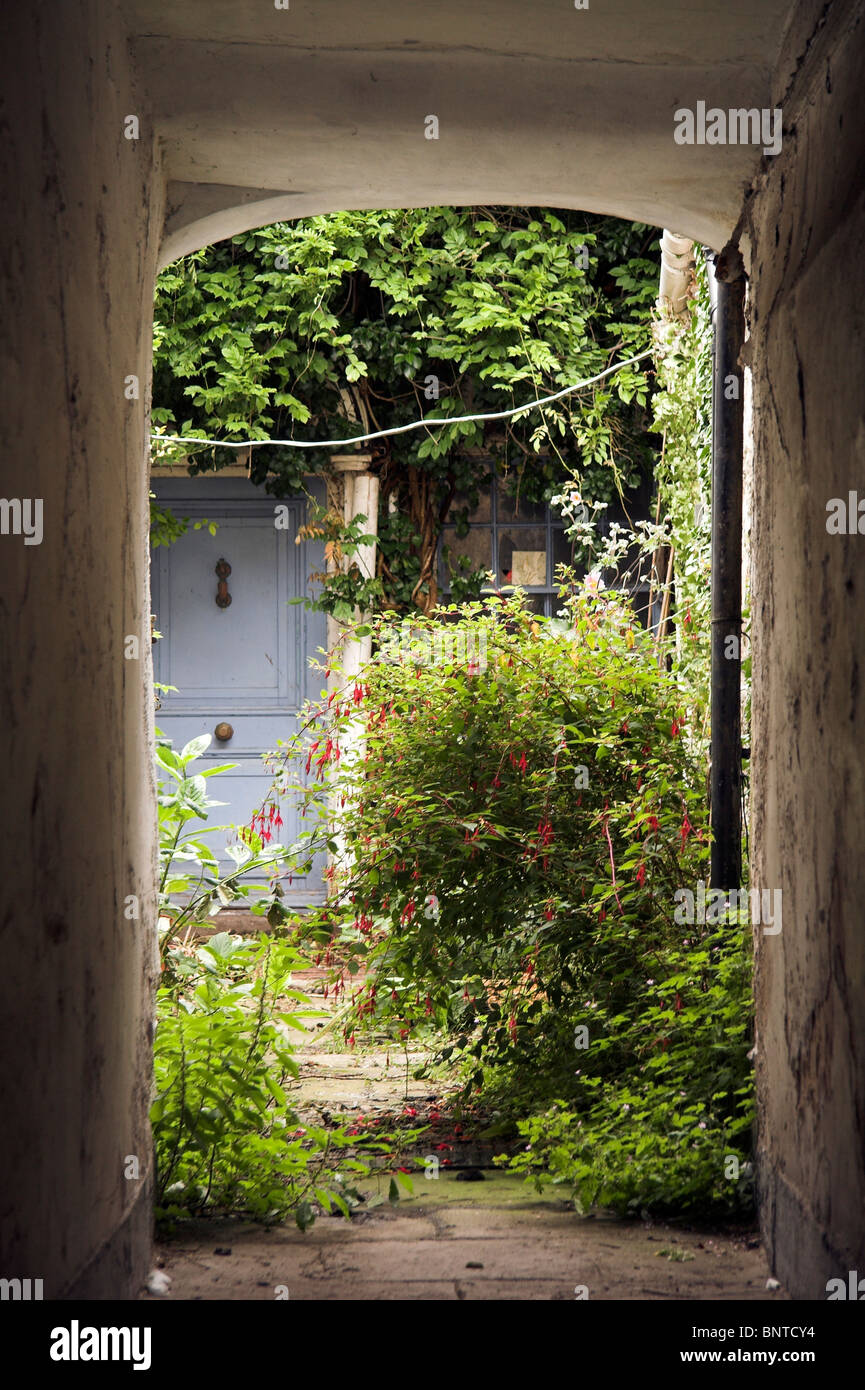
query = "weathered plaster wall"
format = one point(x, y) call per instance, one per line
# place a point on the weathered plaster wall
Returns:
point(76, 275)
point(806, 226)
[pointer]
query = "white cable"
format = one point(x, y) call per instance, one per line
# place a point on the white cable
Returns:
point(400, 429)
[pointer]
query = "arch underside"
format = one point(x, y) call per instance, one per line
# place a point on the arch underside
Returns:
point(537, 104)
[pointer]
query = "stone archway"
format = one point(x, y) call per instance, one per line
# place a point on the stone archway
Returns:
point(136, 136)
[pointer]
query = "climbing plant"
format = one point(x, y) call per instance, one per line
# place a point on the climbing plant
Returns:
point(682, 415)
point(338, 325)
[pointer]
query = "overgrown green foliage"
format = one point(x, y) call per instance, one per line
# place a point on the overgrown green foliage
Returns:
point(682, 414)
point(225, 1125)
point(166, 527)
point(672, 1130)
point(191, 887)
point(337, 325)
point(524, 809)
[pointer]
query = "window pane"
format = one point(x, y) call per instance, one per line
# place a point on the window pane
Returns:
point(517, 508)
point(563, 550)
point(471, 552)
point(482, 512)
point(522, 556)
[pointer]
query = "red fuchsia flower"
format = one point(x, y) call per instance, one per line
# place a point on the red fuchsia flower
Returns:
point(512, 1029)
point(549, 914)
point(624, 727)
point(653, 824)
point(357, 696)
point(674, 728)
point(641, 875)
point(523, 763)
point(686, 829)
point(428, 1009)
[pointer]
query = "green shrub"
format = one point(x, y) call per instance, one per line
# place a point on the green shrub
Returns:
point(225, 1125)
point(514, 831)
point(226, 1131)
point(672, 1132)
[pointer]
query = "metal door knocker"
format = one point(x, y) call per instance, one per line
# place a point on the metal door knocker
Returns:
point(223, 597)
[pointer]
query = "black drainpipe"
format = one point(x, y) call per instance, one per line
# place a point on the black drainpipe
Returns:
point(728, 301)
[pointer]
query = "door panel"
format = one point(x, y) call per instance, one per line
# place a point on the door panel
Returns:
point(244, 664)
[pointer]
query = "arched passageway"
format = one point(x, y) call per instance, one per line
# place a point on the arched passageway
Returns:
point(142, 131)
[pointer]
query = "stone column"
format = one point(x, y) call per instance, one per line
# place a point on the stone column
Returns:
point(77, 895)
point(359, 498)
point(805, 231)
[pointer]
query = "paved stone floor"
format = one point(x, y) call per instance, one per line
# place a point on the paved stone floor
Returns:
point(487, 1241)
point(492, 1239)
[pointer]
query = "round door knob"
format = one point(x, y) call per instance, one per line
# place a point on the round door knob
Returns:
point(224, 732)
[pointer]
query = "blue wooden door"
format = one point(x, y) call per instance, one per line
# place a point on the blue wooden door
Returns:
point(242, 663)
